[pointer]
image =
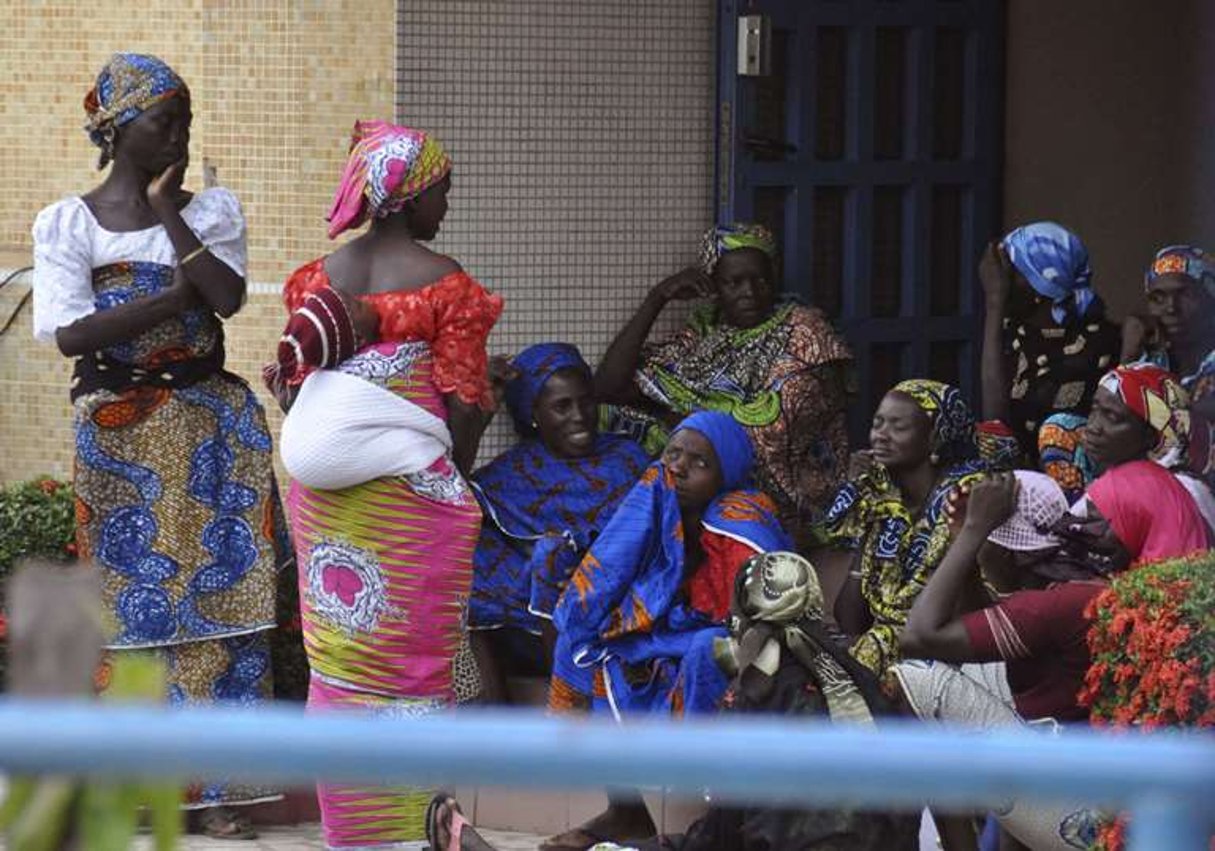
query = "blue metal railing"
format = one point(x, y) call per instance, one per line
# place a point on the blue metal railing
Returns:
point(1167, 782)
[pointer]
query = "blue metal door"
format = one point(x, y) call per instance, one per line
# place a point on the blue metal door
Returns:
point(872, 149)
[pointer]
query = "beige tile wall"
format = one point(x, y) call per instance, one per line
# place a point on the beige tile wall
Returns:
point(277, 85)
point(581, 132)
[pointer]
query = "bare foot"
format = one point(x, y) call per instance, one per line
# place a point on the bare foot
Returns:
point(618, 823)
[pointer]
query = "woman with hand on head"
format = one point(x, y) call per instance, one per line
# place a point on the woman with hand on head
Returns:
point(176, 503)
point(1046, 339)
point(779, 369)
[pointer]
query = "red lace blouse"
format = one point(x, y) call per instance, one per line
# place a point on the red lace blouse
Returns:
point(454, 314)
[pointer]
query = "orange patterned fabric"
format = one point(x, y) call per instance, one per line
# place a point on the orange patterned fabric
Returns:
point(454, 314)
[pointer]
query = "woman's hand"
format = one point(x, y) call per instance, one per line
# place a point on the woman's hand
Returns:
point(992, 500)
point(165, 188)
point(684, 285)
point(995, 275)
point(501, 372)
point(1138, 332)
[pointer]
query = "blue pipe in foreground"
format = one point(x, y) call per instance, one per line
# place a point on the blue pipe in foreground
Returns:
point(739, 759)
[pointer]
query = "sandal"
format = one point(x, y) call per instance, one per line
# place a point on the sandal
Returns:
point(455, 826)
point(223, 823)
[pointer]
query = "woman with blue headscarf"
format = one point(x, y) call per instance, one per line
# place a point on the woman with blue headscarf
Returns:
point(545, 501)
point(1046, 340)
point(176, 503)
point(638, 619)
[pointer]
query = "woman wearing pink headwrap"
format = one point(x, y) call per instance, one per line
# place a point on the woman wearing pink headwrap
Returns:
point(386, 556)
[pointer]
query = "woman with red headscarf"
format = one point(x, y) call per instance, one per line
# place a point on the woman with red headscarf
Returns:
point(1140, 411)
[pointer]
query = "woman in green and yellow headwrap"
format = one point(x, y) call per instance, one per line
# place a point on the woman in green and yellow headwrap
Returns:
point(779, 369)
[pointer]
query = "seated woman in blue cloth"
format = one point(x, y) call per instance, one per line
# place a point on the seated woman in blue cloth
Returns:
point(545, 500)
point(637, 622)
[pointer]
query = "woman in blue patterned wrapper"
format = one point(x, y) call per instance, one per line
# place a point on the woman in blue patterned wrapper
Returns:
point(545, 500)
point(175, 490)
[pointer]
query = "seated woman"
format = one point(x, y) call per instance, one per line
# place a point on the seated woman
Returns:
point(780, 370)
point(778, 615)
point(545, 501)
point(1046, 340)
point(1140, 411)
point(893, 516)
point(637, 622)
point(1179, 335)
point(1037, 630)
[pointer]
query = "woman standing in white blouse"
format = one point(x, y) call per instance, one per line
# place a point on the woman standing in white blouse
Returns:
point(173, 476)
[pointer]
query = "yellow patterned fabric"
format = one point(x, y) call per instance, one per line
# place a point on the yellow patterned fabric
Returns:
point(899, 552)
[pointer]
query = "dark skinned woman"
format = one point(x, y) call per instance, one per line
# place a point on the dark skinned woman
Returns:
point(637, 622)
point(779, 369)
point(386, 562)
point(1179, 334)
point(1046, 341)
point(173, 477)
point(893, 516)
point(545, 501)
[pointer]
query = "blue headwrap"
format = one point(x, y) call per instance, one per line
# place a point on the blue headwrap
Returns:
point(536, 365)
point(1055, 262)
point(128, 85)
point(735, 455)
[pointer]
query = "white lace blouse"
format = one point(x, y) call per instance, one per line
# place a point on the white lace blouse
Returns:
point(69, 244)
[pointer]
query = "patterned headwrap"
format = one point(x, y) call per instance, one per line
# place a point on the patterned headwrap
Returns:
point(1055, 263)
point(387, 166)
point(1155, 396)
point(953, 425)
point(735, 455)
point(718, 240)
point(1061, 453)
point(536, 365)
point(1185, 260)
point(128, 85)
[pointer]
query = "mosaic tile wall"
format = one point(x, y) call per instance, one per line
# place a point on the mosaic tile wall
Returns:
point(581, 132)
point(582, 138)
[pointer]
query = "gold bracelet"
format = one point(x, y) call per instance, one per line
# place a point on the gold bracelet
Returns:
point(192, 255)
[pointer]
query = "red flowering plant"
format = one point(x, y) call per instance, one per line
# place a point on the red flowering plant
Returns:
point(1153, 645)
point(37, 518)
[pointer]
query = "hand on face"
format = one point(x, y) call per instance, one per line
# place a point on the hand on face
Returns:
point(1180, 306)
point(165, 188)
